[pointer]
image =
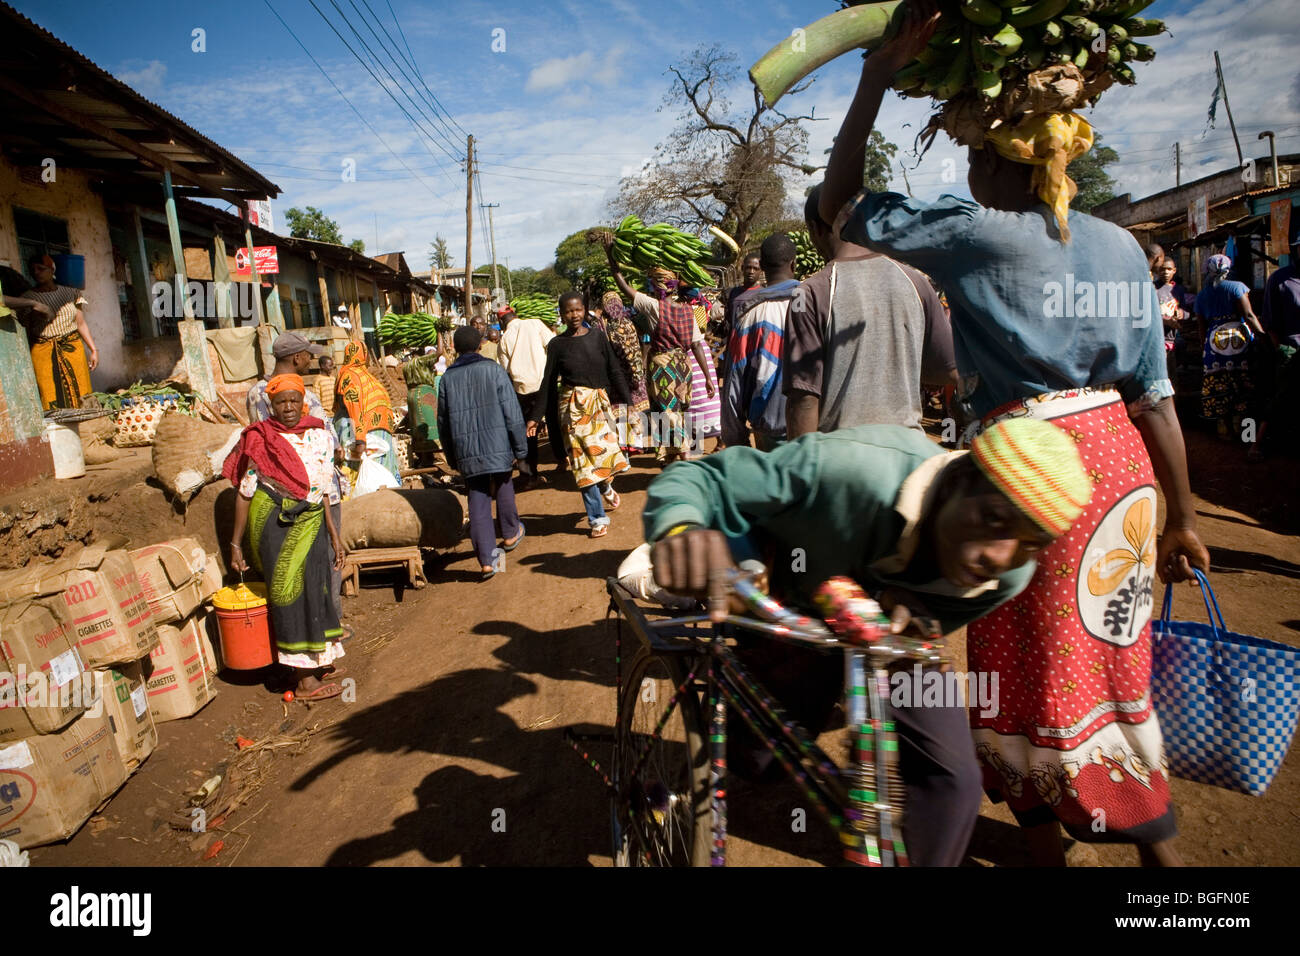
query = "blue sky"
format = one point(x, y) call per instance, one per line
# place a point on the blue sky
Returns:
point(571, 103)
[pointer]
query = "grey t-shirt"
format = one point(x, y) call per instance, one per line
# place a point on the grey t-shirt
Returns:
point(863, 334)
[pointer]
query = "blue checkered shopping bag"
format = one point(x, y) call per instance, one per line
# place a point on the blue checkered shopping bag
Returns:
point(1227, 702)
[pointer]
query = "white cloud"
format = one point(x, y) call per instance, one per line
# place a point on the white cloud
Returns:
point(579, 71)
point(147, 80)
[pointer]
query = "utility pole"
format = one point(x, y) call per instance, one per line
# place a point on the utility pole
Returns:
point(469, 227)
point(1218, 68)
point(1178, 164)
point(510, 289)
point(492, 240)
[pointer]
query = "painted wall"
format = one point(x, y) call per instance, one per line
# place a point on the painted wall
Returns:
point(70, 198)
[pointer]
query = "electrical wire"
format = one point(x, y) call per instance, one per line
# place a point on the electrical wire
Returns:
point(418, 72)
point(410, 59)
point(381, 84)
point(346, 100)
point(445, 129)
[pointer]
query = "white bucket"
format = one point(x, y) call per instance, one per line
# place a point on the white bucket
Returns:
point(65, 446)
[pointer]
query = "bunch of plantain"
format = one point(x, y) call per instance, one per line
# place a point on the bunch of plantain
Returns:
point(411, 330)
point(645, 247)
point(536, 305)
point(986, 46)
point(807, 260)
point(981, 50)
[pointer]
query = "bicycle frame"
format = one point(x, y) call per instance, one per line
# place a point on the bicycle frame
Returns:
point(862, 802)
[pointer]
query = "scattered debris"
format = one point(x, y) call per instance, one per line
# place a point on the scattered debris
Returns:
point(214, 849)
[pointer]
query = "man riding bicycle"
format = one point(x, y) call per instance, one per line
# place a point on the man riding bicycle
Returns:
point(928, 533)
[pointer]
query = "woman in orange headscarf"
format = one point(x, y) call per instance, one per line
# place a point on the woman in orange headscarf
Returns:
point(363, 408)
point(283, 468)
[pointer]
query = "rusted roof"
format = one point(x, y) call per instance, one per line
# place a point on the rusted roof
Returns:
point(59, 104)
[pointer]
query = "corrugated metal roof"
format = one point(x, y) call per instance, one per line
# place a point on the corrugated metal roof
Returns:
point(32, 52)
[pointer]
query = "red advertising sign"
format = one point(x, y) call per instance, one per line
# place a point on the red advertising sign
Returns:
point(268, 260)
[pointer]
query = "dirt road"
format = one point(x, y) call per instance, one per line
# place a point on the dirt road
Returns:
point(452, 752)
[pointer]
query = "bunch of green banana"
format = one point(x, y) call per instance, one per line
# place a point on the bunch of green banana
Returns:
point(636, 244)
point(807, 259)
point(981, 48)
point(536, 305)
point(411, 330)
point(994, 44)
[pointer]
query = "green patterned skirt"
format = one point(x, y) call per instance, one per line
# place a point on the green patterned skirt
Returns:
point(291, 550)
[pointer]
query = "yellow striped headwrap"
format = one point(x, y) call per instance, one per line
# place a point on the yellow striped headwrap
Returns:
point(1037, 466)
point(1048, 143)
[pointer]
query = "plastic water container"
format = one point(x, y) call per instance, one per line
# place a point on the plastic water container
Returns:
point(70, 269)
point(65, 446)
point(245, 627)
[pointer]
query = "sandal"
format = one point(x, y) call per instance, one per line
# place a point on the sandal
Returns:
point(510, 546)
point(612, 500)
point(489, 574)
point(600, 532)
point(323, 692)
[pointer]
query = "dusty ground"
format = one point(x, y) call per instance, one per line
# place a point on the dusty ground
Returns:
point(452, 752)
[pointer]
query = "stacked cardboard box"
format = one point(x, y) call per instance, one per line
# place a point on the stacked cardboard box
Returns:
point(61, 755)
point(178, 578)
point(51, 784)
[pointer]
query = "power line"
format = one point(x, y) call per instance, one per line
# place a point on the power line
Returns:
point(446, 130)
point(374, 76)
point(345, 99)
point(415, 66)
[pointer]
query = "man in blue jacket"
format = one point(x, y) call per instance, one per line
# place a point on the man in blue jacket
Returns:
point(483, 434)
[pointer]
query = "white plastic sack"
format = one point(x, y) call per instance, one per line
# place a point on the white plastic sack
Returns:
point(372, 476)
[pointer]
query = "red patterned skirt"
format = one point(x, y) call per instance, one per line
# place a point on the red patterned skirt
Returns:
point(1075, 737)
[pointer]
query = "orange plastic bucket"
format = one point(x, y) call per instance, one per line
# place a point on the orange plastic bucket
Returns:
point(244, 626)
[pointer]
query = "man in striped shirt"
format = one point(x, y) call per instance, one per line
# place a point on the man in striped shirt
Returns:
point(753, 398)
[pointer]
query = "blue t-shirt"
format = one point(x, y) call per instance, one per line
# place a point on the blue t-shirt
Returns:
point(1030, 314)
point(1217, 302)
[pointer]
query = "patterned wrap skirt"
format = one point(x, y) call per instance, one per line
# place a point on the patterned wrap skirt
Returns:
point(422, 413)
point(670, 396)
point(1075, 737)
point(62, 372)
point(1226, 383)
point(592, 436)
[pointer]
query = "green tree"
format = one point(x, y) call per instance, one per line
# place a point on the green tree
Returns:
point(879, 162)
point(578, 260)
point(358, 245)
point(439, 255)
point(1089, 174)
point(313, 224)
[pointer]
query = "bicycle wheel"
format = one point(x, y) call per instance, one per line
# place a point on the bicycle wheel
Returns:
point(661, 813)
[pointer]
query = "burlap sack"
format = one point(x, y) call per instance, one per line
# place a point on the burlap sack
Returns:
point(96, 434)
point(391, 518)
point(188, 453)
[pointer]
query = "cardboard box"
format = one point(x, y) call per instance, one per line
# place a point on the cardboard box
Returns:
point(126, 704)
point(50, 785)
point(210, 641)
point(43, 682)
point(110, 618)
point(177, 676)
point(212, 576)
point(171, 575)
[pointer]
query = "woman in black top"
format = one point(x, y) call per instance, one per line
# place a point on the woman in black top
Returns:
point(581, 373)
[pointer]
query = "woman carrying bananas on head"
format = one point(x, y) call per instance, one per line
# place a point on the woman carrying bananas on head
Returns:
point(673, 333)
point(1075, 739)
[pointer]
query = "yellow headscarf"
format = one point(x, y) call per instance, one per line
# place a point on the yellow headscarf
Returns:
point(1049, 143)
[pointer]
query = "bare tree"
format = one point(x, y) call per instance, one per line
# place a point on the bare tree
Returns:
point(719, 166)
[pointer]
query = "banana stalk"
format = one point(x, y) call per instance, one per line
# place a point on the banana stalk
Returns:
point(817, 44)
